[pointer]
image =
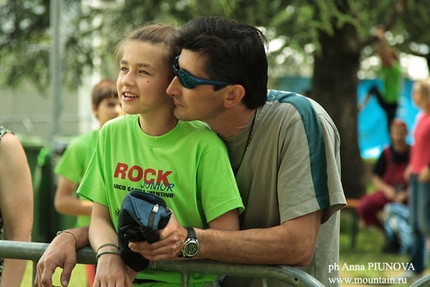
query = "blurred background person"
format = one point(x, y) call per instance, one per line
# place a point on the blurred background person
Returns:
point(418, 174)
point(391, 75)
point(73, 163)
point(16, 203)
point(388, 180)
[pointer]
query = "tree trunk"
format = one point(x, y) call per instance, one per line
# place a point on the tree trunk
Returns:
point(334, 86)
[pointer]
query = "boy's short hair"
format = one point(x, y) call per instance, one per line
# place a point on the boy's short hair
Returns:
point(104, 89)
point(155, 34)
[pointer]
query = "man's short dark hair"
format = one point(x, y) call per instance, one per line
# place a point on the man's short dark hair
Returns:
point(234, 52)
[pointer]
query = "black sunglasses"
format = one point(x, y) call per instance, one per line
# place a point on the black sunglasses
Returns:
point(189, 81)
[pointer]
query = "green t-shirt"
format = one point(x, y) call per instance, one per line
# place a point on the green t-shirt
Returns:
point(188, 167)
point(74, 162)
point(392, 79)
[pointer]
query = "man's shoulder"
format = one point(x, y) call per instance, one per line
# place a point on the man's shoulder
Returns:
point(282, 96)
point(303, 109)
point(299, 101)
point(305, 106)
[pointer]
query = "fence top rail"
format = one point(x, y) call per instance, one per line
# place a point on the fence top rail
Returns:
point(291, 275)
point(422, 282)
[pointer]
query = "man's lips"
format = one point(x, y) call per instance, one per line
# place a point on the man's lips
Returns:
point(177, 103)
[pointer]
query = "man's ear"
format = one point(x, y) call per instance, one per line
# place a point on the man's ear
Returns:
point(234, 96)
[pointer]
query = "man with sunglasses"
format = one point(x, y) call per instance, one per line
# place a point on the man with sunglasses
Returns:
point(284, 151)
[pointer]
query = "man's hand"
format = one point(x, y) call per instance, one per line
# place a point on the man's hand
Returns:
point(169, 246)
point(60, 253)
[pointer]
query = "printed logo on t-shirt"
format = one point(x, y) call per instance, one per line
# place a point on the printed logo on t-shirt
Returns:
point(149, 179)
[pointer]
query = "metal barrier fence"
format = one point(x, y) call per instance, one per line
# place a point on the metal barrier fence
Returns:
point(293, 276)
point(422, 282)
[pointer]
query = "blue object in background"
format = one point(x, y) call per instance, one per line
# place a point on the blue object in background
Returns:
point(372, 127)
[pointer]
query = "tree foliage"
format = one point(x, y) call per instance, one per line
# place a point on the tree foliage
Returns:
point(332, 36)
point(89, 30)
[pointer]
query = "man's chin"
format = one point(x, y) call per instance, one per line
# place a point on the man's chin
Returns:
point(180, 114)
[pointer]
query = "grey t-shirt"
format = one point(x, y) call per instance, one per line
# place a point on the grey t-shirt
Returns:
point(291, 168)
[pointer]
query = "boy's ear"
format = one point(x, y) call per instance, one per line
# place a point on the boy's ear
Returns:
point(95, 111)
point(235, 94)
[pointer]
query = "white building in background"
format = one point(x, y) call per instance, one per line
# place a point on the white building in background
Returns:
point(31, 113)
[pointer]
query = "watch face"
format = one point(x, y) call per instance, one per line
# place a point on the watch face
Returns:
point(191, 248)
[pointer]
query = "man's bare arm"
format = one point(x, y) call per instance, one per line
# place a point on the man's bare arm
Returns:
point(291, 243)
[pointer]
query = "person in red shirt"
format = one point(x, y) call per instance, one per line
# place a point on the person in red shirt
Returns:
point(418, 174)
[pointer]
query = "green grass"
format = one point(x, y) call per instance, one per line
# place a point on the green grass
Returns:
point(79, 276)
point(367, 250)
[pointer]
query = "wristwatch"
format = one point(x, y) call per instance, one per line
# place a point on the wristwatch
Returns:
point(191, 244)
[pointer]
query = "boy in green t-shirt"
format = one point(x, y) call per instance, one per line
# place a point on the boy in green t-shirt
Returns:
point(149, 150)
